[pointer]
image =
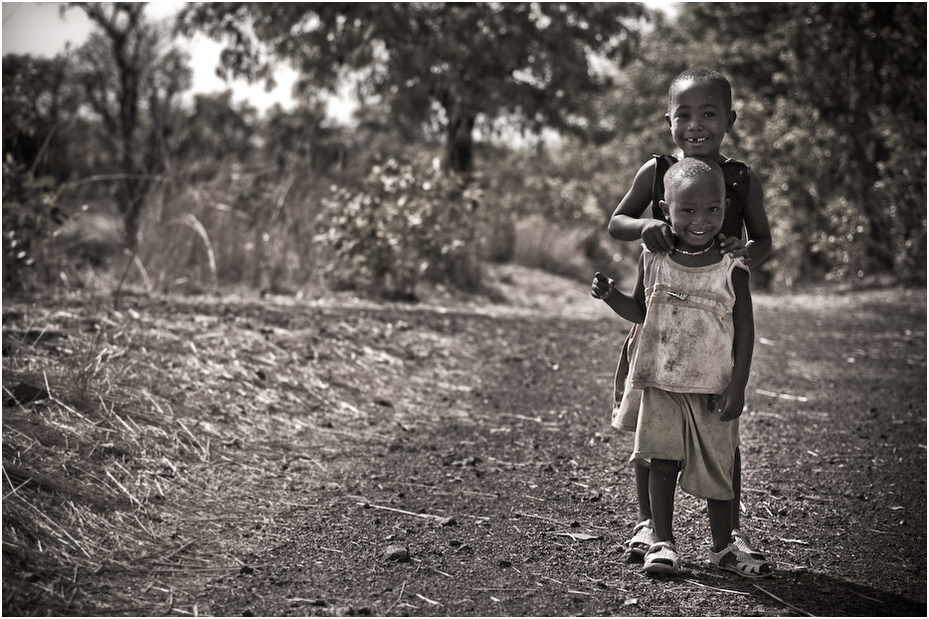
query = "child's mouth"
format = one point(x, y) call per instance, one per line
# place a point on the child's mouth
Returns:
point(697, 140)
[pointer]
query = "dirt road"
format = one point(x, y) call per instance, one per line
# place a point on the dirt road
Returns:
point(452, 458)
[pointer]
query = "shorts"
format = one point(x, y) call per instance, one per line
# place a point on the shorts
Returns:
point(626, 413)
point(680, 427)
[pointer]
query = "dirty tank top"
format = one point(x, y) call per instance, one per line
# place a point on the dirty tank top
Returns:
point(685, 343)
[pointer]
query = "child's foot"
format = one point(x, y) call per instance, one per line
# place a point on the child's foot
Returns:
point(643, 536)
point(745, 549)
point(732, 560)
point(662, 558)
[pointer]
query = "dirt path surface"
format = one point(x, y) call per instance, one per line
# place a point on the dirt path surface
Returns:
point(342, 458)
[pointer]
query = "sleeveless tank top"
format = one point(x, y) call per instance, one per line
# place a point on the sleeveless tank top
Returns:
point(738, 178)
point(685, 343)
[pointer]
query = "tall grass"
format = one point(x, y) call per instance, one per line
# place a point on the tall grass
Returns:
point(248, 229)
point(544, 245)
point(260, 231)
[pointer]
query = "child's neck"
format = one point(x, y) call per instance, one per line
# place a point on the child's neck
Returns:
point(696, 256)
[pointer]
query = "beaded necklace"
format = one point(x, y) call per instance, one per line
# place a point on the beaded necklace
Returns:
point(696, 253)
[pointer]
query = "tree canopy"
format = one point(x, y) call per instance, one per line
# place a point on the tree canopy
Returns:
point(446, 64)
point(831, 103)
point(836, 97)
point(125, 68)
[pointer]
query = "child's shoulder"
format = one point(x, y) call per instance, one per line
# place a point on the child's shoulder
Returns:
point(649, 171)
point(738, 176)
point(650, 164)
point(734, 164)
point(663, 162)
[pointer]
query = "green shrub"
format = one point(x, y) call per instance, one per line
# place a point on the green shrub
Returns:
point(407, 223)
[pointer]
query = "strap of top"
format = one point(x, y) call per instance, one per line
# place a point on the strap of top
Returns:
point(662, 163)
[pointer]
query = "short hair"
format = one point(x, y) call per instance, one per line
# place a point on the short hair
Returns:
point(701, 75)
point(692, 168)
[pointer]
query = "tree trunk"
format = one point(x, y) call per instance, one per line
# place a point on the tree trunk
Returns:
point(130, 199)
point(123, 27)
point(458, 155)
point(880, 249)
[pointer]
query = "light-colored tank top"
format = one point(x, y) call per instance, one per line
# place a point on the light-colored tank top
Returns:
point(685, 343)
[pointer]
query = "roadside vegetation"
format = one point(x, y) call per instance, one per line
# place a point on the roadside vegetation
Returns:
point(212, 315)
point(112, 181)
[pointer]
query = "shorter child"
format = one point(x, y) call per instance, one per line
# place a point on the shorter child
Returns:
point(691, 360)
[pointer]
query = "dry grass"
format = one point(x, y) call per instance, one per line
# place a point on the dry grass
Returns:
point(177, 444)
point(160, 428)
point(242, 229)
point(541, 244)
point(143, 433)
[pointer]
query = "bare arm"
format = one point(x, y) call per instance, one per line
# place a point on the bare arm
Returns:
point(631, 307)
point(627, 223)
point(733, 398)
point(758, 247)
point(756, 222)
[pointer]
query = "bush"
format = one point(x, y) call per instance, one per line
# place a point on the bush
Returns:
point(30, 214)
point(407, 223)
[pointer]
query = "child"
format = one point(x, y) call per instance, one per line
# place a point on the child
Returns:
point(691, 361)
point(699, 116)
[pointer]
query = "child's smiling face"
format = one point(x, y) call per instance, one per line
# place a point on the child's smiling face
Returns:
point(699, 117)
point(695, 209)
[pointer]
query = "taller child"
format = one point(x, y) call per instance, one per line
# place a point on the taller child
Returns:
point(699, 116)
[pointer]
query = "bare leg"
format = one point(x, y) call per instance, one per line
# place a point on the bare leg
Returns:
point(720, 523)
point(731, 560)
point(742, 542)
point(641, 490)
point(736, 489)
point(661, 485)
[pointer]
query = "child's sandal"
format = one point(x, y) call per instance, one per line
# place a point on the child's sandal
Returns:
point(643, 536)
point(746, 551)
point(738, 565)
point(662, 558)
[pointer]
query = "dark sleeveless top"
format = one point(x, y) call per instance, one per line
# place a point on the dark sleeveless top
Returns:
point(738, 178)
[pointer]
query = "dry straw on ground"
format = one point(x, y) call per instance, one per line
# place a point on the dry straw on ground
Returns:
point(132, 409)
point(205, 455)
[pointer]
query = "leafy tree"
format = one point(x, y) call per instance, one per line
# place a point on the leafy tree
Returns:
point(37, 107)
point(30, 213)
point(125, 70)
point(38, 104)
point(302, 140)
point(214, 133)
point(836, 118)
point(449, 64)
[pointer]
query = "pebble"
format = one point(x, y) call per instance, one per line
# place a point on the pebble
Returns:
point(400, 554)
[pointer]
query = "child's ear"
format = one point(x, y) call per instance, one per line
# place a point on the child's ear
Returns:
point(667, 118)
point(731, 120)
point(665, 208)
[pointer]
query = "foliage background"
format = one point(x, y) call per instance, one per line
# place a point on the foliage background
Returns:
point(110, 181)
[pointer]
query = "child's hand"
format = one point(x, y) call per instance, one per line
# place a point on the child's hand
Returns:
point(658, 237)
point(735, 246)
point(602, 286)
point(731, 403)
